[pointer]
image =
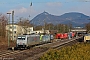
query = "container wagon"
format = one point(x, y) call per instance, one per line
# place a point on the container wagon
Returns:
point(61, 36)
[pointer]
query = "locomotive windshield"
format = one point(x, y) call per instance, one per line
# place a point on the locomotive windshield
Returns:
point(21, 38)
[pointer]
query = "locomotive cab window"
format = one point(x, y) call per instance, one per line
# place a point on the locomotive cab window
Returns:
point(21, 38)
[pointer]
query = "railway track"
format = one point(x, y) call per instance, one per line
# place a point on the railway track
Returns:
point(57, 46)
point(64, 44)
point(20, 54)
point(35, 52)
point(8, 53)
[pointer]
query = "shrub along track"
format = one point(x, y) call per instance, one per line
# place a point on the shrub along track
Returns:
point(35, 52)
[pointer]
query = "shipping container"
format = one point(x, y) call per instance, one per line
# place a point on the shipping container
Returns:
point(65, 35)
point(46, 38)
point(61, 36)
point(58, 36)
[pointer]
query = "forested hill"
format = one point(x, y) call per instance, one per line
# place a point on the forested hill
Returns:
point(74, 18)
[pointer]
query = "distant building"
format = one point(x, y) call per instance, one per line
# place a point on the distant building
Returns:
point(40, 31)
point(17, 30)
point(44, 31)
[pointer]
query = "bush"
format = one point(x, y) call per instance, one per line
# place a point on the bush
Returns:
point(79, 51)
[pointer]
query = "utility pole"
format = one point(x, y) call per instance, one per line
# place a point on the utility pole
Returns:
point(44, 26)
point(8, 30)
point(12, 25)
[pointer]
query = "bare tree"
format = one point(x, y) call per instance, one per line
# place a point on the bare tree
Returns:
point(3, 22)
point(25, 23)
point(88, 27)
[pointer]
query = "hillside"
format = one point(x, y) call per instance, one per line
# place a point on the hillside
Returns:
point(74, 18)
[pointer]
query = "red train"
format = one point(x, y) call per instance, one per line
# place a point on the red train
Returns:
point(65, 35)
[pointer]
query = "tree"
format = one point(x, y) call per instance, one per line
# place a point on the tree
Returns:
point(88, 27)
point(25, 23)
point(49, 26)
point(39, 27)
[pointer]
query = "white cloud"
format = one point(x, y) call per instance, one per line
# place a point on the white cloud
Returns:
point(20, 10)
point(23, 12)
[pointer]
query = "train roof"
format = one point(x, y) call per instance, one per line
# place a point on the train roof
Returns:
point(28, 35)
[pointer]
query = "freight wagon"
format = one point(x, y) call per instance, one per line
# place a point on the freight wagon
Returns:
point(61, 35)
point(65, 35)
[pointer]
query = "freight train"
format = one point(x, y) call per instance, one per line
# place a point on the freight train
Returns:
point(26, 41)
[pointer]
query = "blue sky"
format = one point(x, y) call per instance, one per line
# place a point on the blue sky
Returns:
point(55, 7)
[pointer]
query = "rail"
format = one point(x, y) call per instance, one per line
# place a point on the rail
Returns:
point(35, 52)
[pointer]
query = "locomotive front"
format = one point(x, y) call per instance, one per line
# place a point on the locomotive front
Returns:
point(21, 41)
